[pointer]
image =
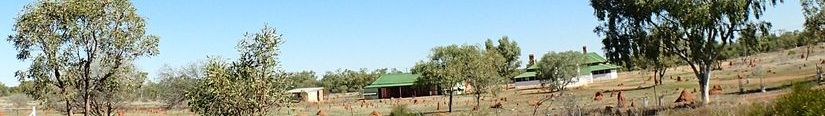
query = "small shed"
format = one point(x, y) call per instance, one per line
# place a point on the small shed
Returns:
point(314, 94)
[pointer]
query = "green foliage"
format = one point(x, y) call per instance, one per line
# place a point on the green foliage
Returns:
point(695, 31)
point(150, 91)
point(119, 90)
point(485, 72)
point(445, 66)
point(802, 101)
point(253, 85)
point(764, 43)
point(303, 79)
point(347, 80)
point(509, 52)
point(451, 65)
point(814, 21)
point(791, 52)
point(4, 90)
point(558, 69)
point(19, 100)
point(756, 109)
point(173, 84)
point(401, 110)
point(81, 51)
point(28, 88)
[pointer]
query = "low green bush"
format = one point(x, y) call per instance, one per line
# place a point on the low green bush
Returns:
point(803, 101)
point(400, 110)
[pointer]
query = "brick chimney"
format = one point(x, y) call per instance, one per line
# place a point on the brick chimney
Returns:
point(531, 60)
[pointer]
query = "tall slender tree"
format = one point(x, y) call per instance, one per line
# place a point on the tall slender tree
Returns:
point(454, 65)
point(693, 30)
point(253, 85)
point(509, 51)
point(814, 23)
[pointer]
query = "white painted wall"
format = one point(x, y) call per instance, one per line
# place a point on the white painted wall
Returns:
point(578, 81)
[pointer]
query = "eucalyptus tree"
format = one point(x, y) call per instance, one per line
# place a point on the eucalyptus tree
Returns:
point(485, 72)
point(346, 80)
point(444, 68)
point(814, 23)
point(558, 69)
point(81, 50)
point(303, 79)
point(173, 84)
point(693, 30)
point(253, 85)
point(509, 51)
point(449, 66)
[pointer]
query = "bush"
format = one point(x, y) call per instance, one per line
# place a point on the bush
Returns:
point(400, 110)
point(803, 101)
point(758, 109)
point(19, 100)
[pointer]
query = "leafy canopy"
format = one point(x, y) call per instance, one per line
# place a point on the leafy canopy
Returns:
point(250, 86)
point(693, 30)
point(81, 51)
point(558, 69)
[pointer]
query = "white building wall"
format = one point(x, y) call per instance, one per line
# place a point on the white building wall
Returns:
point(576, 82)
point(581, 81)
point(527, 84)
point(311, 96)
point(612, 75)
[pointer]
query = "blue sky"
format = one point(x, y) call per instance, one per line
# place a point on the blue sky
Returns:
point(324, 35)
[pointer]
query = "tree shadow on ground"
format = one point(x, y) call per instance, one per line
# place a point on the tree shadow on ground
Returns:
point(630, 89)
point(613, 90)
point(437, 112)
point(768, 89)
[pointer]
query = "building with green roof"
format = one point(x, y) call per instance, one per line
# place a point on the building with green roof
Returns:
point(595, 67)
point(397, 85)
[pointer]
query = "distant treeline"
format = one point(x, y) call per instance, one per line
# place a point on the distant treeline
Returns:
point(769, 43)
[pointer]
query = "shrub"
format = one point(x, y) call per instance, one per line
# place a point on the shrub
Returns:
point(803, 101)
point(19, 100)
point(758, 109)
point(400, 110)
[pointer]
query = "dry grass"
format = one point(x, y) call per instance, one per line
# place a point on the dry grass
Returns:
point(636, 86)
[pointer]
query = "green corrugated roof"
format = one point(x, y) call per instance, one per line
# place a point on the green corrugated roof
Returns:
point(533, 67)
point(392, 80)
point(592, 57)
point(601, 67)
point(526, 74)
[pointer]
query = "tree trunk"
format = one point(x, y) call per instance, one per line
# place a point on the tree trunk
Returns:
point(818, 74)
point(68, 108)
point(86, 105)
point(656, 93)
point(478, 99)
point(762, 84)
point(450, 105)
point(741, 86)
point(704, 83)
point(808, 52)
